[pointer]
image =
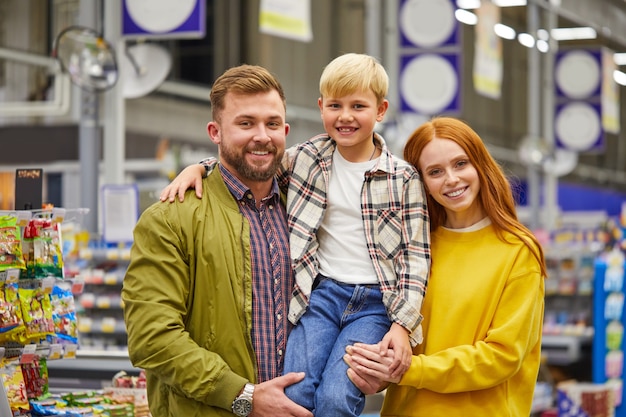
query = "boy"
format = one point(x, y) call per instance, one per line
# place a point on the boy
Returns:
point(359, 240)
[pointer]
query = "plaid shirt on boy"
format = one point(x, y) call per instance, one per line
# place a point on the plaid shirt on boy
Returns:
point(395, 219)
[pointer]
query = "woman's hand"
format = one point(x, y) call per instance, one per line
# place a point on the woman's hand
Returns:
point(369, 368)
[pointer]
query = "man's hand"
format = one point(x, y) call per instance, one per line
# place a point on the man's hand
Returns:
point(190, 177)
point(269, 399)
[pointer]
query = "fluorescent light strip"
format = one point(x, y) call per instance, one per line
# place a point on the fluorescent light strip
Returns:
point(468, 4)
point(568, 34)
point(466, 17)
point(509, 3)
point(475, 4)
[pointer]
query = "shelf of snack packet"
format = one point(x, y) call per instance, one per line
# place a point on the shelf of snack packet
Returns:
point(101, 271)
point(27, 391)
point(39, 323)
point(592, 386)
point(568, 324)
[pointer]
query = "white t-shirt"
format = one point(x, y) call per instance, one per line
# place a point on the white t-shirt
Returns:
point(342, 253)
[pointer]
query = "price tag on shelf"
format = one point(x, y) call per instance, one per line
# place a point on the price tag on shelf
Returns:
point(47, 284)
point(78, 285)
point(97, 276)
point(108, 325)
point(10, 275)
point(110, 278)
point(58, 214)
point(84, 324)
point(28, 353)
point(103, 301)
point(70, 351)
point(88, 300)
point(125, 254)
point(23, 217)
point(85, 253)
point(56, 351)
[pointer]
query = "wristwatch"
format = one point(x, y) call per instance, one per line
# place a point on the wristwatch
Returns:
point(242, 406)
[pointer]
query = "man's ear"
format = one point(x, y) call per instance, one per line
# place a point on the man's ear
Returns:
point(213, 129)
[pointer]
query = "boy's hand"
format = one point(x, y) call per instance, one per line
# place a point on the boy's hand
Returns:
point(397, 339)
point(190, 177)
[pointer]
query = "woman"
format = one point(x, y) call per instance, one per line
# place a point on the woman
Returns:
point(483, 311)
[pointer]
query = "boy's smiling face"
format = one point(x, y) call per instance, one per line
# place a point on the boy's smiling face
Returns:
point(350, 121)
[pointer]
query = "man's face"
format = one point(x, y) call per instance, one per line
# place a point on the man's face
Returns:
point(251, 135)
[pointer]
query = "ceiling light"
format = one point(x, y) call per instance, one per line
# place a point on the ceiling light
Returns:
point(543, 46)
point(466, 17)
point(468, 4)
point(620, 58)
point(619, 77)
point(509, 3)
point(543, 34)
point(504, 31)
point(526, 39)
point(568, 34)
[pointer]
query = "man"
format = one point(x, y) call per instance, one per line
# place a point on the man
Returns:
point(207, 289)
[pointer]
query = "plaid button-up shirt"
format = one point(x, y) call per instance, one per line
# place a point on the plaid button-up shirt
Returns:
point(395, 219)
point(272, 280)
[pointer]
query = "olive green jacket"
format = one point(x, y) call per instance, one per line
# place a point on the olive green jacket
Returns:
point(188, 303)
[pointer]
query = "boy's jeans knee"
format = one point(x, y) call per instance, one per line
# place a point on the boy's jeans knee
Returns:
point(338, 315)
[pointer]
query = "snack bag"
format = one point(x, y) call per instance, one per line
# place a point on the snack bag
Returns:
point(35, 377)
point(11, 255)
point(37, 314)
point(43, 249)
point(15, 388)
point(11, 323)
point(63, 316)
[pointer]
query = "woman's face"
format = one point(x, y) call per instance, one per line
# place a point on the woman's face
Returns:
point(451, 179)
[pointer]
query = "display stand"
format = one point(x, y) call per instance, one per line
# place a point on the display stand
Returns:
point(608, 347)
point(43, 348)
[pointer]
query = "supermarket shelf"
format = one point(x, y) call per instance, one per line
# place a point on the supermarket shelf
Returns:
point(565, 349)
point(92, 369)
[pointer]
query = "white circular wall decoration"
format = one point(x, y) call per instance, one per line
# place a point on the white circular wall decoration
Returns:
point(427, 23)
point(145, 66)
point(578, 126)
point(160, 16)
point(428, 83)
point(578, 74)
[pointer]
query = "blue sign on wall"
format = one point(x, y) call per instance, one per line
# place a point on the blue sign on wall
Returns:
point(430, 55)
point(576, 197)
point(163, 19)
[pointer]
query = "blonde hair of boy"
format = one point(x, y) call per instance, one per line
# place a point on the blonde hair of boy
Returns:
point(351, 73)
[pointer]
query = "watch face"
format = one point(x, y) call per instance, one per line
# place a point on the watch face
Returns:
point(242, 407)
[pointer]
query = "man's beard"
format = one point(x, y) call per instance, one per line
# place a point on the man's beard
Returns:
point(236, 159)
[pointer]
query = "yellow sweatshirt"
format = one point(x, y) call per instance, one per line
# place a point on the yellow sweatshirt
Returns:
point(483, 318)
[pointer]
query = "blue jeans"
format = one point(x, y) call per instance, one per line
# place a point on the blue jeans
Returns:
point(338, 315)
